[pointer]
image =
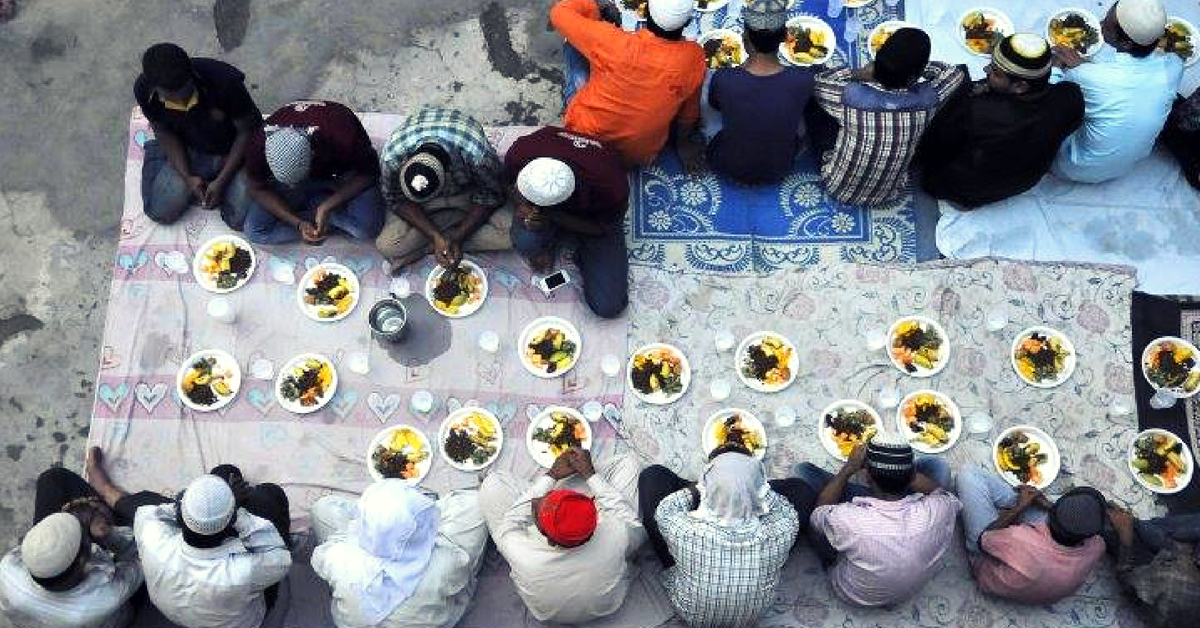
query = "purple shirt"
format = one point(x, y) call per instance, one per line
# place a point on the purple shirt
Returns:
point(1023, 563)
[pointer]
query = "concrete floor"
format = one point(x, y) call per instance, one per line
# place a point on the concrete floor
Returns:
point(66, 74)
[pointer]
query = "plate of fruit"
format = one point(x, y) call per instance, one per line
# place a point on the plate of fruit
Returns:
point(734, 426)
point(1174, 364)
point(399, 452)
point(981, 29)
point(328, 292)
point(208, 380)
point(224, 264)
point(1180, 38)
point(1077, 29)
point(659, 373)
point(809, 41)
point(1160, 461)
point(929, 420)
point(306, 383)
point(1043, 357)
point(555, 430)
point(457, 292)
point(767, 361)
point(471, 438)
point(549, 347)
point(1025, 454)
point(918, 346)
point(846, 423)
point(722, 48)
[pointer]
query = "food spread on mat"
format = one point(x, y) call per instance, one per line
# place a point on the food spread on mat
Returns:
point(306, 383)
point(550, 351)
point(563, 433)
point(724, 51)
point(807, 44)
point(472, 439)
point(849, 427)
point(207, 382)
point(734, 430)
point(980, 31)
point(329, 293)
point(1177, 39)
point(657, 370)
point(456, 289)
point(916, 345)
point(1158, 459)
point(226, 265)
point(1022, 456)
point(1041, 357)
point(1073, 30)
point(767, 361)
point(399, 456)
point(1173, 365)
point(928, 418)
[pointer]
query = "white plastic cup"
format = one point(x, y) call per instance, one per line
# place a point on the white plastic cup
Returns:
point(422, 401)
point(979, 423)
point(489, 341)
point(1121, 405)
point(1163, 399)
point(610, 365)
point(889, 395)
point(876, 339)
point(720, 389)
point(997, 318)
point(785, 416)
point(592, 411)
point(724, 340)
point(400, 287)
point(222, 310)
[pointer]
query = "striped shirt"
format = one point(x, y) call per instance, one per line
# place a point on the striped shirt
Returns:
point(887, 550)
point(99, 601)
point(880, 130)
point(475, 168)
point(724, 577)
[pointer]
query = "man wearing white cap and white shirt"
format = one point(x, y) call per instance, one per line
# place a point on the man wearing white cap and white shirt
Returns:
point(626, 89)
point(1128, 89)
point(572, 188)
point(207, 560)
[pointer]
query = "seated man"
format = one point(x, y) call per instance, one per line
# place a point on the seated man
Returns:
point(310, 169)
point(878, 115)
point(202, 117)
point(572, 187)
point(626, 89)
point(1034, 556)
point(1127, 92)
point(761, 103)
point(75, 568)
point(996, 138)
point(1157, 564)
point(444, 182)
point(569, 552)
point(881, 544)
point(723, 541)
point(396, 558)
point(1182, 136)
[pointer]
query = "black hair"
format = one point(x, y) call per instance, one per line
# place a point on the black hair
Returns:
point(891, 484)
point(659, 31)
point(1136, 50)
point(1036, 85)
point(766, 41)
point(202, 541)
point(166, 66)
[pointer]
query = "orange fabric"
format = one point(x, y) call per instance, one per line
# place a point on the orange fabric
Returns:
point(638, 84)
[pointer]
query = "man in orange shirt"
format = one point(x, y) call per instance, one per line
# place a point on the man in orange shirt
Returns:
point(637, 83)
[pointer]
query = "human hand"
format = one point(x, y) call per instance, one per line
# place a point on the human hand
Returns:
point(865, 73)
point(197, 186)
point(1027, 496)
point(1122, 522)
point(562, 467)
point(447, 251)
point(691, 153)
point(581, 460)
point(214, 193)
point(321, 220)
point(530, 216)
point(310, 233)
point(1065, 57)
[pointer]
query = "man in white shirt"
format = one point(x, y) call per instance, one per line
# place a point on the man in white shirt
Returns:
point(207, 560)
point(569, 552)
point(397, 558)
point(74, 569)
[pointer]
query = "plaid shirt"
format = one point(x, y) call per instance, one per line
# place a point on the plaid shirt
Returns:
point(880, 130)
point(1168, 587)
point(475, 169)
point(724, 576)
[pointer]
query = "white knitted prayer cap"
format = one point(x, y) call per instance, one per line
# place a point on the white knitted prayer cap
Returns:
point(546, 182)
point(671, 14)
point(1143, 20)
point(52, 545)
point(208, 505)
point(288, 154)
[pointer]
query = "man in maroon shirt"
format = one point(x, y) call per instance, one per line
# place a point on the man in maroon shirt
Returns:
point(571, 188)
point(310, 169)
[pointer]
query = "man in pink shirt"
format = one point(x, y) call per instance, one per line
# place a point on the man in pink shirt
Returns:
point(1024, 548)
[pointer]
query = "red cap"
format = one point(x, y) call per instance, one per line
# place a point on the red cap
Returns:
point(567, 518)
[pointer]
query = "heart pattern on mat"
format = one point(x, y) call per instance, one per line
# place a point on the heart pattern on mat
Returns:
point(131, 263)
point(503, 411)
point(505, 278)
point(383, 407)
point(112, 396)
point(140, 138)
point(343, 402)
point(261, 399)
point(195, 225)
point(282, 269)
point(150, 396)
point(453, 405)
point(311, 262)
point(360, 265)
point(532, 410)
point(174, 262)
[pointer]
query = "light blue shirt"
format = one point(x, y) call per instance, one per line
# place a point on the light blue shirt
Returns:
point(1126, 102)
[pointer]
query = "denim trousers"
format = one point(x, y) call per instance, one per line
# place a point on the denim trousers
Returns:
point(361, 218)
point(602, 260)
point(165, 195)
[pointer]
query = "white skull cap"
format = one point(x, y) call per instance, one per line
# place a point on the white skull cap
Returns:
point(546, 182)
point(208, 505)
point(671, 14)
point(52, 545)
point(1143, 20)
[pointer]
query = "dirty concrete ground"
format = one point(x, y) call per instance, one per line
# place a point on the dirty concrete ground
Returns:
point(66, 74)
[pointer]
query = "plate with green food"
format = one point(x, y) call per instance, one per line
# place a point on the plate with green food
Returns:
point(457, 292)
point(659, 373)
point(1180, 38)
point(766, 361)
point(809, 41)
point(224, 264)
point(208, 380)
point(306, 383)
point(328, 292)
point(1043, 357)
point(1174, 364)
point(918, 346)
point(400, 452)
point(929, 420)
point(981, 29)
point(1075, 28)
point(1024, 454)
point(549, 347)
point(1160, 462)
point(722, 48)
point(555, 430)
point(846, 423)
point(734, 426)
point(471, 438)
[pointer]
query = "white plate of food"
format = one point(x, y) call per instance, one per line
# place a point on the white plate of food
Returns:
point(809, 41)
point(980, 29)
point(399, 452)
point(929, 420)
point(856, 4)
point(549, 347)
point(1172, 363)
point(1180, 38)
point(880, 34)
point(734, 424)
point(555, 430)
point(918, 346)
point(1043, 357)
point(1024, 454)
point(1160, 461)
point(723, 48)
point(456, 293)
point(306, 383)
point(328, 292)
point(766, 361)
point(659, 373)
point(1077, 29)
point(470, 438)
point(224, 264)
point(706, 6)
point(846, 423)
point(208, 380)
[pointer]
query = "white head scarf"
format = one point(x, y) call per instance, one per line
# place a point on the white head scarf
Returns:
point(733, 490)
point(395, 529)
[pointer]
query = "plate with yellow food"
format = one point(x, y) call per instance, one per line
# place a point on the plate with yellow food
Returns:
point(723, 48)
point(1180, 38)
point(549, 347)
point(767, 361)
point(929, 420)
point(1024, 454)
point(457, 292)
point(1160, 462)
point(809, 41)
point(1043, 357)
point(918, 346)
point(399, 452)
point(880, 34)
point(1172, 363)
point(470, 438)
point(208, 380)
point(659, 373)
point(306, 383)
point(224, 264)
point(555, 430)
point(734, 426)
point(1077, 29)
point(856, 4)
point(328, 292)
point(847, 423)
point(979, 30)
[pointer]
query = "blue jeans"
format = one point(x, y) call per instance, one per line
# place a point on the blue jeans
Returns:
point(983, 494)
point(602, 260)
point(361, 218)
point(165, 195)
point(577, 70)
point(1151, 536)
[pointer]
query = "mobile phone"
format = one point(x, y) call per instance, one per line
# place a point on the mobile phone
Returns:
point(552, 282)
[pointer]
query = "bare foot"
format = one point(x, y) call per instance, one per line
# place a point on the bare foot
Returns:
point(93, 468)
